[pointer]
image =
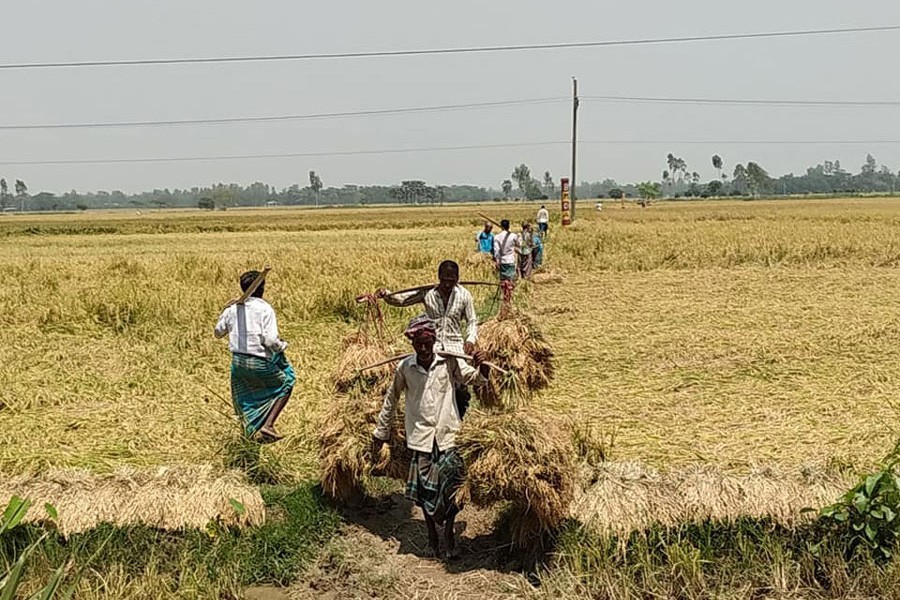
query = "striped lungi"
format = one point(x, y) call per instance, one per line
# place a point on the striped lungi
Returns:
point(256, 384)
point(434, 478)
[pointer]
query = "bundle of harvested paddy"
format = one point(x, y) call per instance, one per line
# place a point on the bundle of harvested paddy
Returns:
point(360, 350)
point(345, 447)
point(170, 498)
point(517, 345)
point(546, 277)
point(628, 496)
point(522, 459)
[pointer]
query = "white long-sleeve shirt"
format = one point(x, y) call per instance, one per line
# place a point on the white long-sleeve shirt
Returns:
point(430, 413)
point(448, 318)
point(505, 245)
point(543, 216)
point(251, 329)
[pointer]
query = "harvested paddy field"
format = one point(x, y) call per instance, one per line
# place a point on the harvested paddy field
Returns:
point(729, 338)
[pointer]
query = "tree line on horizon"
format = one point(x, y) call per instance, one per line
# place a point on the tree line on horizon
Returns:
point(677, 181)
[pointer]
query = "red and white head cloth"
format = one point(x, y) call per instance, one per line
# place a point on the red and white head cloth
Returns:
point(421, 326)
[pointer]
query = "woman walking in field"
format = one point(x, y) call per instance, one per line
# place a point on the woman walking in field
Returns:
point(262, 379)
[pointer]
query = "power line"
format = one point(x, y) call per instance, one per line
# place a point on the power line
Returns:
point(738, 101)
point(276, 118)
point(321, 154)
point(459, 50)
point(746, 142)
point(444, 108)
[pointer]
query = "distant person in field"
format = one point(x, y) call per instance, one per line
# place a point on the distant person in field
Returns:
point(526, 245)
point(449, 305)
point(543, 221)
point(436, 470)
point(506, 245)
point(485, 239)
point(537, 250)
point(262, 379)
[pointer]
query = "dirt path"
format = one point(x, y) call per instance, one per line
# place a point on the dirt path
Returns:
point(382, 554)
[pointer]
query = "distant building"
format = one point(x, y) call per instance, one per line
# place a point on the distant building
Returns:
point(272, 203)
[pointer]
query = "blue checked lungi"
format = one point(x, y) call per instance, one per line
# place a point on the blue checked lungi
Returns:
point(434, 478)
point(256, 384)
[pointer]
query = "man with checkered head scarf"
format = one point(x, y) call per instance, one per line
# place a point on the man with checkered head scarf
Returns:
point(432, 420)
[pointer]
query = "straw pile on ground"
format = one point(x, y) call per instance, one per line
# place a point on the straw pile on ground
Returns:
point(516, 344)
point(628, 496)
point(169, 498)
point(522, 459)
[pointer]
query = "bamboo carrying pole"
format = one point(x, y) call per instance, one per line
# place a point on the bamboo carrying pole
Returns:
point(442, 353)
point(253, 287)
point(365, 297)
point(487, 218)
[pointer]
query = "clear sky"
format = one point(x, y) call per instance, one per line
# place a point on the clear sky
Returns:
point(838, 67)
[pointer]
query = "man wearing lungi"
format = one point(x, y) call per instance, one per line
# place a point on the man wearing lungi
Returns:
point(432, 420)
point(262, 379)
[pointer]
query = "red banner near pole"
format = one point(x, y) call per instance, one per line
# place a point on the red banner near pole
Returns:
point(564, 201)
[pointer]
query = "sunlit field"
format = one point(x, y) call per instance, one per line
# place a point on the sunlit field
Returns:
point(731, 333)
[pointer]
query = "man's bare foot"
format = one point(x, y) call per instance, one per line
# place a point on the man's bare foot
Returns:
point(452, 551)
point(434, 544)
point(269, 435)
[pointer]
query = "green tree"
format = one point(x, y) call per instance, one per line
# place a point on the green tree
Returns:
point(739, 179)
point(714, 188)
point(206, 203)
point(649, 190)
point(315, 184)
point(522, 176)
point(549, 186)
point(21, 192)
point(4, 193)
point(507, 188)
point(717, 164)
point(757, 178)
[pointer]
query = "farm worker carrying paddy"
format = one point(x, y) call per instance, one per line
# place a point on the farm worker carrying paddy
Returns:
point(432, 421)
point(448, 304)
point(485, 239)
point(262, 379)
point(506, 244)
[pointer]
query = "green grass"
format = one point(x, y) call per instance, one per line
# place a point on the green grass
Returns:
point(746, 559)
point(298, 524)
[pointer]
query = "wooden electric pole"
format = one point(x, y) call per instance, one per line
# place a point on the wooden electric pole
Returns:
point(574, 141)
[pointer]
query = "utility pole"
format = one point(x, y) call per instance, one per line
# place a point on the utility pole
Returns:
point(574, 141)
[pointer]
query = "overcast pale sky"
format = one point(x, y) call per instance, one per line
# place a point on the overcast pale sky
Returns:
point(837, 67)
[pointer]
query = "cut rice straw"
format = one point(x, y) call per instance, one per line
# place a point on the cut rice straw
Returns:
point(628, 496)
point(168, 498)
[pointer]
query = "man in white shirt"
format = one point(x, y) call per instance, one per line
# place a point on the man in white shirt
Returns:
point(449, 305)
point(432, 421)
point(506, 245)
point(543, 221)
point(262, 379)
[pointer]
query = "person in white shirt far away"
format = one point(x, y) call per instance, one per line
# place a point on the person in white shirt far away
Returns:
point(449, 305)
point(262, 379)
point(506, 245)
point(431, 419)
point(543, 221)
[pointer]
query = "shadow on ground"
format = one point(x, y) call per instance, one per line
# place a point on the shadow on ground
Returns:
point(395, 519)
